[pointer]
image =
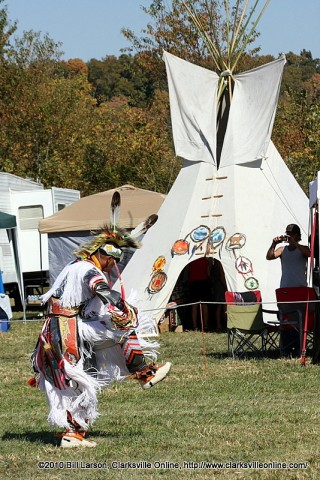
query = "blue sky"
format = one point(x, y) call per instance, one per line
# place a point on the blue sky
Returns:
point(91, 28)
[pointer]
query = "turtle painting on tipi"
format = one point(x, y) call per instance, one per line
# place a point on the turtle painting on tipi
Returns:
point(230, 199)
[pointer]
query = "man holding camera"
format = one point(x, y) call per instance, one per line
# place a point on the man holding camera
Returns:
point(293, 257)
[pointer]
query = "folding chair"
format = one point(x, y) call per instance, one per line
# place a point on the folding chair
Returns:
point(296, 320)
point(272, 334)
point(245, 326)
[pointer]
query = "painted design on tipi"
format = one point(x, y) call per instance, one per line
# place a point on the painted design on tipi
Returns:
point(243, 264)
point(236, 241)
point(159, 264)
point(216, 238)
point(159, 277)
point(251, 283)
point(199, 236)
point(180, 247)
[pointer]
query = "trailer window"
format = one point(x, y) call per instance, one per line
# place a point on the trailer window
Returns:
point(29, 217)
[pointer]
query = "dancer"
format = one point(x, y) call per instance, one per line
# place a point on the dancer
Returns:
point(90, 338)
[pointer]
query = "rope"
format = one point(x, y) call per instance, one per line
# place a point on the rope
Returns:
point(175, 307)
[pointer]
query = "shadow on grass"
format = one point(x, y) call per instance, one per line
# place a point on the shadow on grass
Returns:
point(50, 438)
point(221, 355)
point(247, 356)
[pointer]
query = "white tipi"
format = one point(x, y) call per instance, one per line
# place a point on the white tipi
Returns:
point(229, 208)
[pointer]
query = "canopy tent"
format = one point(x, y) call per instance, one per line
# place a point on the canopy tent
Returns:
point(91, 212)
point(9, 223)
point(229, 207)
point(71, 226)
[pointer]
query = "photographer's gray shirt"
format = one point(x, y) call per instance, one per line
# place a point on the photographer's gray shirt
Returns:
point(294, 266)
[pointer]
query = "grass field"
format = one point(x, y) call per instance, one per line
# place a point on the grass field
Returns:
point(217, 410)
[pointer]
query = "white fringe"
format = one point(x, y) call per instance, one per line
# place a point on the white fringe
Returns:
point(146, 329)
point(75, 291)
point(103, 341)
point(80, 398)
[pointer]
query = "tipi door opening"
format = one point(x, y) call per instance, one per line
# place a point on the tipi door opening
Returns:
point(202, 280)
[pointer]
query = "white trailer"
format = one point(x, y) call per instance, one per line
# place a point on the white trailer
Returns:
point(29, 202)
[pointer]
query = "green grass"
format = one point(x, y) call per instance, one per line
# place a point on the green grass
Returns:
point(210, 408)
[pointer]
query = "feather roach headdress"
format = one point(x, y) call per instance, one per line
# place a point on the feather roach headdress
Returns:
point(111, 238)
point(109, 235)
point(106, 236)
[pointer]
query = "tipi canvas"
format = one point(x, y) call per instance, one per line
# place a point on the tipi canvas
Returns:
point(229, 207)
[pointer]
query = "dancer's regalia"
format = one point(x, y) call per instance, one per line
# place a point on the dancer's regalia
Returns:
point(90, 338)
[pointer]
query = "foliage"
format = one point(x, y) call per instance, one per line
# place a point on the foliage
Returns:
point(198, 31)
point(71, 68)
point(40, 112)
point(117, 77)
point(55, 126)
point(133, 144)
point(33, 48)
point(223, 410)
point(45, 122)
point(296, 132)
point(297, 124)
point(106, 123)
point(299, 69)
point(172, 29)
point(6, 31)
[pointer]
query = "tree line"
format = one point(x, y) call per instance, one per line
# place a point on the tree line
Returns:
point(101, 124)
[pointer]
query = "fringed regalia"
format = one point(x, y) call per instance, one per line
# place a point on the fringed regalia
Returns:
point(85, 344)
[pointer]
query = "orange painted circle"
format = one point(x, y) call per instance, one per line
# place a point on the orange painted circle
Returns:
point(180, 247)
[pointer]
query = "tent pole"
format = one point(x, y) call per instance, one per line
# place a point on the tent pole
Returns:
point(12, 237)
point(203, 340)
point(305, 323)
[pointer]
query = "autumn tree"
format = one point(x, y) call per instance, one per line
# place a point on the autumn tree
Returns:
point(54, 130)
point(47, 117)
point(296, 131)
point(134, 147)
point(298, 70)
point(98, 125)
point(7, 29)
point(297, 121)
point(120, 77)
point(172, 29)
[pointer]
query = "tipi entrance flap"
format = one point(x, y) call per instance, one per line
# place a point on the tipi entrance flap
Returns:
point(253, 106)
point(193, 109)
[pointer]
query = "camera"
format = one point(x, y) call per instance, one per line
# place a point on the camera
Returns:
point(283, 238)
